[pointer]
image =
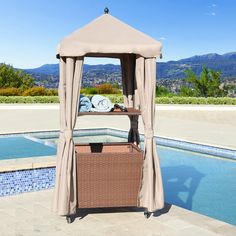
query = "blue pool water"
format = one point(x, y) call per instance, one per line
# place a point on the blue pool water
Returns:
point(200, 183)
point(20, 147)
point(195, 181)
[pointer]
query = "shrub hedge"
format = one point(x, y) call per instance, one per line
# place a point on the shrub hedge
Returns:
point(40, 91)
point(101, 89)
point(119, 99)
point(33, 91)
point(29, 99)
point(196, 100)
point(10, 91)
point(183, 100)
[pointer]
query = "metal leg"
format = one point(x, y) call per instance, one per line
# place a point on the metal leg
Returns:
point(69, 219)
point(147, 214)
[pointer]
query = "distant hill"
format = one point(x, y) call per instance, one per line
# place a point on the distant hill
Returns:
point(225, 63)
point(53, 69)
point(47, 69)
point(48, 74)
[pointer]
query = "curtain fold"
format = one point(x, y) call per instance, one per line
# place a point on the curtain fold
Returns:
point(65, 192)
point(151, 192)
point(128, 62)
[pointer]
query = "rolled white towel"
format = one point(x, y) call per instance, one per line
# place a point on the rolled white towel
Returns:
point(85, 104)
point(101, 104)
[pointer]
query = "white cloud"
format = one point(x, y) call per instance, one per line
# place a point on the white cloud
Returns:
point(162, 38)
point(211, 14)
point(212, 10)
point(213, 5)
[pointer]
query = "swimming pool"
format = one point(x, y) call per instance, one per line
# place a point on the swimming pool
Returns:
point(22, 147)
point(192, 180)
point(198, 182)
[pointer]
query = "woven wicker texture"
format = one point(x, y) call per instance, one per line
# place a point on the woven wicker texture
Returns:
point(108, 175)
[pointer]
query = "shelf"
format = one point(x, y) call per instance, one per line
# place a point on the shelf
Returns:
point(131, 111)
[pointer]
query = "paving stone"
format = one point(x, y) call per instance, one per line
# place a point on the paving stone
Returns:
point(30, 214)
point(194, 231)
point(226, 230)
point(177, 224)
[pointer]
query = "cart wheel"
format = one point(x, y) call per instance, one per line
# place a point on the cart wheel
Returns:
point(69, 219)
point(147, 214)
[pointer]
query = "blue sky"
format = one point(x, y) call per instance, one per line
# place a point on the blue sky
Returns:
point(30, 30)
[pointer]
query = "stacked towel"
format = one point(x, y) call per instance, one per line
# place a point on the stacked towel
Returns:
point(101, 104)
point(85, 104)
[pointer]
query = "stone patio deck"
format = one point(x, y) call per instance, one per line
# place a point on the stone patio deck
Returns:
point(30, 214)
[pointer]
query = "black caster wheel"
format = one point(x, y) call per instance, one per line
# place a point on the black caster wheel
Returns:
point(69, 219)
point(147, 214)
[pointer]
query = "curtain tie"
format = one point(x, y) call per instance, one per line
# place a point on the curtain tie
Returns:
point(149, 134)
point(134, 124)
point(67, 133)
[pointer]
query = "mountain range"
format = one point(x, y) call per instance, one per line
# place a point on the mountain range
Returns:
point(225, 63)
point(48, 74)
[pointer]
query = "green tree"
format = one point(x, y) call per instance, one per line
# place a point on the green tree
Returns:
point(187, 92)
point(162, 91)
point(10, 77)
point(207, 85)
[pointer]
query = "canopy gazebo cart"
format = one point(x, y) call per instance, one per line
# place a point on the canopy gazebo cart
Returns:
point(128, 176)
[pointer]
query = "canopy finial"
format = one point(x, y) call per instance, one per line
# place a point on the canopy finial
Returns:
point(106, 10)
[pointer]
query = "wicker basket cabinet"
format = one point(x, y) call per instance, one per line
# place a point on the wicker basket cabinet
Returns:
point(108, 174)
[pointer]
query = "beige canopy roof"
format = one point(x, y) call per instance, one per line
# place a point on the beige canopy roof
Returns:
point(107, 34)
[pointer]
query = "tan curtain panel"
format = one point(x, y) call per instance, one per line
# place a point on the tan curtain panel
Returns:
point(65, 193)
point(128, 62)
point(151, 193)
